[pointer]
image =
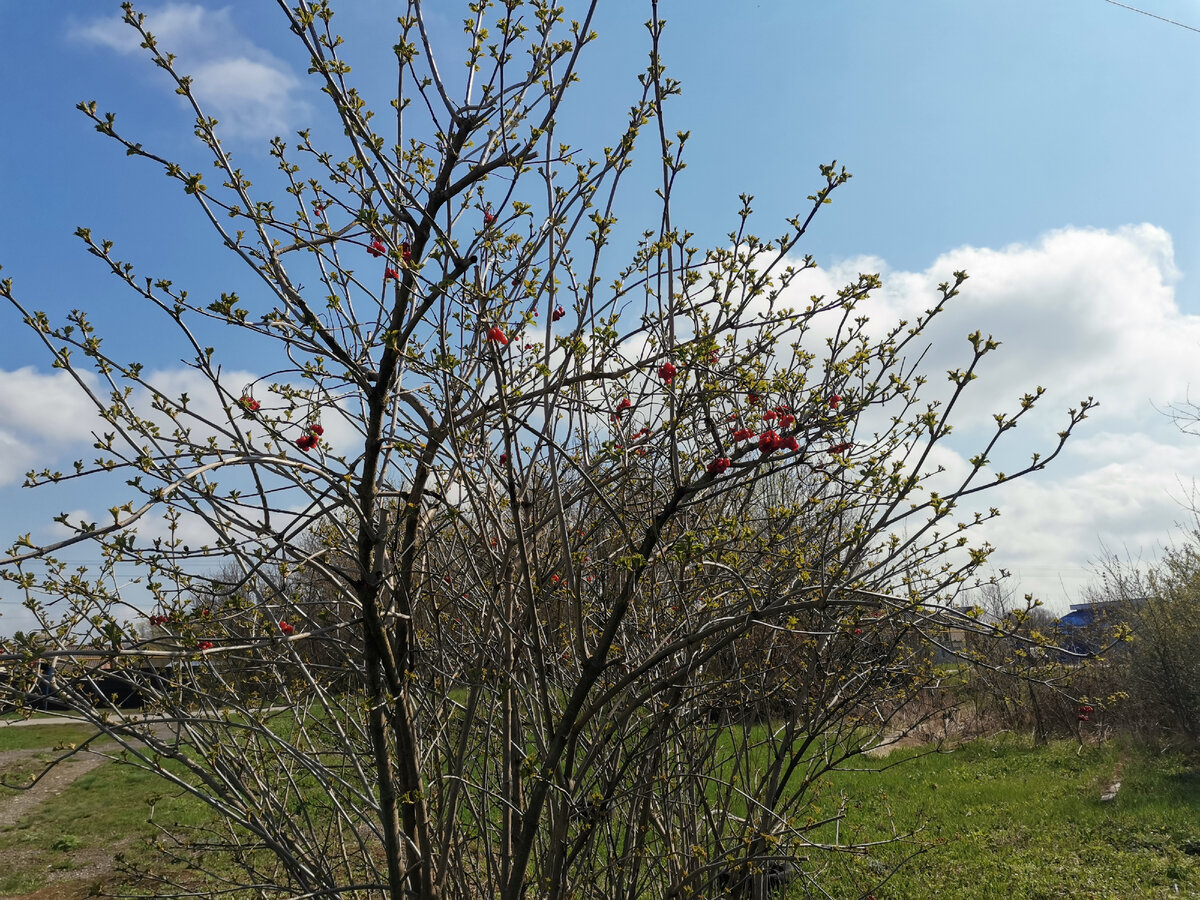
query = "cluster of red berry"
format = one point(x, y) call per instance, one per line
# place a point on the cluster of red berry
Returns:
point(1085, 712)
point(625, 404)
point(771, 440)
point(377, 249)
point(311, 438)
point(783, 414)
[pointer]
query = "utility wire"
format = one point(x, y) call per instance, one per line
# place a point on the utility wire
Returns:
point(1153, 16)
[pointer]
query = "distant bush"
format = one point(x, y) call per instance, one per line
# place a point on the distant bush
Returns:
point(1157, 670)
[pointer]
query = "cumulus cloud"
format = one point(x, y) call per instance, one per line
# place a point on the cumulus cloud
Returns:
point(48, 405)
point(1082, 312)
point(250, 91)
point(16, 457)
point(41, 414)
point(46, 419)
point(1058, 525)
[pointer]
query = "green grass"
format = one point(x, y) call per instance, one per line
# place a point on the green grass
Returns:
point(47, 743)
point(1001, 819)
point(43, 737)
point(994, 819)
point(104, 812)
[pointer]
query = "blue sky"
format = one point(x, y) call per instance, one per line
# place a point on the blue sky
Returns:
point(1049, 148)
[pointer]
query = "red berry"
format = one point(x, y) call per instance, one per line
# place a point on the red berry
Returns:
point(286, 628)
point(496, 334)
point(667, 372)
point(719, 465)
point(558, 313)
point(768, 442)
point(377, 249)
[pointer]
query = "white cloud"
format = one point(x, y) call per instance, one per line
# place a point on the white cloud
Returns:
point(16, 457)
point(250, 97)
point(1055, 527)
point(49, 406)
point(250, 91)
point(1081, 312)
point(42, 414)
point(46, 418)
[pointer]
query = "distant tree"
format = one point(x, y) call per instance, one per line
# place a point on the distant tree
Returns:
point(1021, 679)
point(572, 577)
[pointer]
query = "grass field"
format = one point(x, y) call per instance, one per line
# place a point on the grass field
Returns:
point(72, 837)
point(1001, 819)
point(994, 819)
point(43, 737)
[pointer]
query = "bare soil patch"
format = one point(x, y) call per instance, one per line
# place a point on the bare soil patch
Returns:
point(86, 877)
point(87, 871)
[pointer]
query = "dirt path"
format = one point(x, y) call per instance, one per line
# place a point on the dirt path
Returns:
point(1114, 780)
point(91, 869)
point(15, 804)
point(87, 874)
